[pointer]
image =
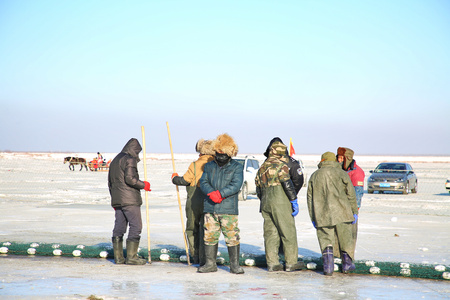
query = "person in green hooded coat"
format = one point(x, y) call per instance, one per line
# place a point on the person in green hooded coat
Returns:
point(333, 209)
point(279, 206)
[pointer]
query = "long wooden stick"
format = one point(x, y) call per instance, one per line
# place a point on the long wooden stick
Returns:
point(146, 197)
point(178, 195)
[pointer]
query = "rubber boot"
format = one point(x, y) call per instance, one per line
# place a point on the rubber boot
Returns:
point(117, 242)
point(132, 256)
point(347, 264)
point(201, 254)
point(211, 257)
point(233, 253)
point(275, 268)
point(328, 261)
point(295, 267)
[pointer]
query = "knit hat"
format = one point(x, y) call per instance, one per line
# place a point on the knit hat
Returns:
point(225, 144)
point(328, 156)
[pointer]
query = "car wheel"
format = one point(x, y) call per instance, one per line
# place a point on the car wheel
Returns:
point(370, 191)
point(244, 192)
point(406, 190)
point(414, 190)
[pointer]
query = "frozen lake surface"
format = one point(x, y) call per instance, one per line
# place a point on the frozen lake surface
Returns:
point(42, 201)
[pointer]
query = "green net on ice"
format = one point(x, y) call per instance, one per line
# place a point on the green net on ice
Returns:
point(174, 254)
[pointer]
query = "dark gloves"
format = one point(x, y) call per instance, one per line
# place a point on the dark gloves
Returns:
point(147, 186)
point(356, 218)
point(215, 196)
point(294, 207)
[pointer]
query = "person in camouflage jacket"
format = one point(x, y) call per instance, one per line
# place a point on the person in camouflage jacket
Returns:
point(279, 206)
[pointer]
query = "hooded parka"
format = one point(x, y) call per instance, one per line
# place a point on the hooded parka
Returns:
point(123, 178)
point(332, 203)
point(276, 190)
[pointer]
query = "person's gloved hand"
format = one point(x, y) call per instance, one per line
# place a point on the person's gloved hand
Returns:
point(294, 207)
point(314, 224)
point(215, 196)
point(147, 186)
point(356, 218)
point(173, 175)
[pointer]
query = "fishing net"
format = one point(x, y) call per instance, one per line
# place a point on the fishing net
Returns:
point(174, 254)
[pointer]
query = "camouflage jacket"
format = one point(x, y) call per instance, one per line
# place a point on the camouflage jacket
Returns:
point(275, 171)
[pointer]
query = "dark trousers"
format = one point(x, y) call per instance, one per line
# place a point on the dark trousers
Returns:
point(128, 215)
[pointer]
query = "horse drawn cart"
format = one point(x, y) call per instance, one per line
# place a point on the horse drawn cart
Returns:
point(93, 165)
point(97, 166)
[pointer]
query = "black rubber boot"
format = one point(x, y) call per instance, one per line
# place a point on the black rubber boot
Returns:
point(233, 253)
point(347, 264)
point(295, 267)
point(211, 257)
point(328, 261)
point(117, 242)
point(275, 268)
point(132, 256)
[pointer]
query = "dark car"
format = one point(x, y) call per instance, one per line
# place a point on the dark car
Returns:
point(394, 177)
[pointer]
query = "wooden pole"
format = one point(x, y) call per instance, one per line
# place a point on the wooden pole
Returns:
point(146, 197)
point(178, 195)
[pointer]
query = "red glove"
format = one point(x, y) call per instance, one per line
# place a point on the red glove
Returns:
point(147, 186)
point(215, 196)
point(173, 175)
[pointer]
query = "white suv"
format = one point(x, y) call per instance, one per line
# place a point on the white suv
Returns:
point(251, 166)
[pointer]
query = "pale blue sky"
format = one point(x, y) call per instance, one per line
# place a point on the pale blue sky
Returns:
point(83, 76)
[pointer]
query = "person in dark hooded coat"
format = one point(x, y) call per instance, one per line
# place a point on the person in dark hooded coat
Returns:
point(125, 190)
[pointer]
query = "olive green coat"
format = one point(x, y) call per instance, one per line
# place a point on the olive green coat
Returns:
point(331, 195)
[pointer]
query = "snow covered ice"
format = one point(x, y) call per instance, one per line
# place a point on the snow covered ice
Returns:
point(43, 202)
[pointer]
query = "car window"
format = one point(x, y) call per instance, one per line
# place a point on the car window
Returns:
point(253, 163)
point(390, 167)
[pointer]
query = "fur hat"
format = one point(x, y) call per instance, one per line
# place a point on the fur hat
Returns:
point(204, 147)
point(207, 148)
point(347, 153)
point(225, 143)
point(198, 146)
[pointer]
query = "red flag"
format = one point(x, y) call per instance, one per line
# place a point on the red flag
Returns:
point(291, 148)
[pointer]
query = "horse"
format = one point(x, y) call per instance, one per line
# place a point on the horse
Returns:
point(75, 161)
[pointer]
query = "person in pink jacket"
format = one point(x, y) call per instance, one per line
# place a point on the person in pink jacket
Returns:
point(345, 157)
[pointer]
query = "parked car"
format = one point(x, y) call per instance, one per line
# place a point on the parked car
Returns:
point(447, 185)
point(392, 176)
point(251, 166)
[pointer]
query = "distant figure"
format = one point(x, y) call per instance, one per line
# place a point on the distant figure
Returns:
point(195, 197)
point(125, 189)
point(333, 209)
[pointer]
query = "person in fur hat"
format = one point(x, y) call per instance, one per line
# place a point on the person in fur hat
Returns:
point(221, 182)
point(333, 211)
point(345, 157)
point(194, 201)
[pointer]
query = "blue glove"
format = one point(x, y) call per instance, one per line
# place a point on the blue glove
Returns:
point(314, 224)
point(356, 218)
point(294, 207)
